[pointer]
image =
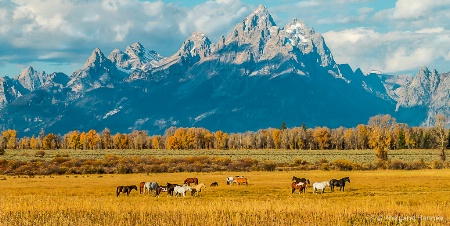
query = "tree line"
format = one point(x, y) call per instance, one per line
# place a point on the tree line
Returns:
point(381, 133)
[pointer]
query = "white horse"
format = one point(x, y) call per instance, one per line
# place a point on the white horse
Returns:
point(150, 186)
point(181, 190)
point(320, 186)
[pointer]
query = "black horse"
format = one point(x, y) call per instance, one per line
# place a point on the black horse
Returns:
point(170, 188)
point(339, 183)
point(125, 189)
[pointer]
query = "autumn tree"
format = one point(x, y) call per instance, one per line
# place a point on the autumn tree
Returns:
point(49, 141)
point(322, 137)
point(276, 136)
point(9, 139)
point(440, 122)
point(381, 134)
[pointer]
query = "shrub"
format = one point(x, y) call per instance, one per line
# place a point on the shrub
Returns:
point(2, 151)
point(39, 153)
point(438, 164)
point(397, 165)
point(269, 165)
point(342, 164)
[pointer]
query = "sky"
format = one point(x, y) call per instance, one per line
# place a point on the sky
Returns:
point(395, 37)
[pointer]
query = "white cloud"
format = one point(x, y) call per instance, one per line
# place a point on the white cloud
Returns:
point(414, 9)
point(431, 30)
point(391, 52)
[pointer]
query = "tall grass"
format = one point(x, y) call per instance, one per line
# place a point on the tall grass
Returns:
point(372, 198)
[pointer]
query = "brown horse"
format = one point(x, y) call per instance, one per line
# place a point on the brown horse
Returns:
point(125, 189)
point(301, 187)
point(188, 181)
point(141, 187)
point(214, 184)
point(241, 180)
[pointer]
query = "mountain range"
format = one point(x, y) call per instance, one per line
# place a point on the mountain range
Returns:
point(258, 76)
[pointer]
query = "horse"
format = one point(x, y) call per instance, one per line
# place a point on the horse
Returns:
point(199, 188)
point(214, 184)
point(240, 180)
point(188, 181)
point(150, 186)
point(170, 188)
point(141, 187)
point(298, 180)
point(181, 190)
point(320, 186)
point(339, 183)
point(230, 180)
point(301, 187)
point(160, 189)
point(125, 189)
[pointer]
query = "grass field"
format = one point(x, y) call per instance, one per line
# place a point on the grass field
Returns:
point(282, 156)
point(384, 197)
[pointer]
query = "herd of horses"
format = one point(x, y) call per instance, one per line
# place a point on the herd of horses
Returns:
point(298, 184)
point(171, 189)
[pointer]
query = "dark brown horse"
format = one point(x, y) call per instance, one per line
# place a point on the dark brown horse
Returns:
point(125, 189)
point(170, 188)
point(160, 189)
point(301, 187)
point(214, 184)
point(188, 181)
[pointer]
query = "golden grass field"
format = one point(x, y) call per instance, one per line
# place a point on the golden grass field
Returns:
point(381, 197)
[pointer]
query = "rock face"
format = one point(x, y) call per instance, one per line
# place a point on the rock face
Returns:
point(258, 76)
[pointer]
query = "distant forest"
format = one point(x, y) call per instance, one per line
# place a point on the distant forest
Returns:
point(381, 132)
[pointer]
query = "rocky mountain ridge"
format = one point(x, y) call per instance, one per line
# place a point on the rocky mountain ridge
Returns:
point(256, 77)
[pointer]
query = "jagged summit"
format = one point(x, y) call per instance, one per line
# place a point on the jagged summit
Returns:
point(97, 59)
point(31, 79)
point(198, 44)
point(136, 56)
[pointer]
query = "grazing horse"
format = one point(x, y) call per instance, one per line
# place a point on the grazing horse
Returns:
point(339, 183)
point(170, 188)
point(214, 184)
point(230, 180)
point(241, 180)
point(298, 180)
point(125, 189)
point(301, 187)
point(160, 189)
point(181, 190)
point(150, 186)
point(141, 187)
point(188, 181)
point(199, 188)
point(320, 186)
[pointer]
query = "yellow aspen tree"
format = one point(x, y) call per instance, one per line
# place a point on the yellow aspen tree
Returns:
point(322, 137)
point(33, 143)
point(381, 127)
point(49, 141)
point(276, 137)
point(10, 136)
point(93, 139)
point(74, 140)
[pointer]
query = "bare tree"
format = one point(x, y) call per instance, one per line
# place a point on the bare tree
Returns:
point(440, 122)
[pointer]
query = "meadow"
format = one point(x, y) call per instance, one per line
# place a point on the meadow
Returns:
point(282, 156)
point(380, 197)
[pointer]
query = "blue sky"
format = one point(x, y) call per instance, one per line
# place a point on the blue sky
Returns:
point(395, 37)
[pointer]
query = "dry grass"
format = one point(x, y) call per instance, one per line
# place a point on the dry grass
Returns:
point(372, 198)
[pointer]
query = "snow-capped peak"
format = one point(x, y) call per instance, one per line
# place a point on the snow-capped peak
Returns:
point(96, 59)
